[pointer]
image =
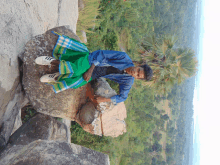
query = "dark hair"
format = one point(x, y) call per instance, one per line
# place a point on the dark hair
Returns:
point(147, 71)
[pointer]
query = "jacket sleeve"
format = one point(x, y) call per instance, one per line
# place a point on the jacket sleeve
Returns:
point(123, 93)
point(108, 57)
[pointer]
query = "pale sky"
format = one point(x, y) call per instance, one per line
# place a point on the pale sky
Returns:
point(207, 100)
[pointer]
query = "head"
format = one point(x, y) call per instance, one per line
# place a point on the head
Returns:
point(143, 72)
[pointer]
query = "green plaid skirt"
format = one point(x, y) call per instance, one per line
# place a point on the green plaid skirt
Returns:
point(73, 56)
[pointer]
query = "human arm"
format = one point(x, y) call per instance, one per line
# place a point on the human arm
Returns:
point(124, 89)
point(116, 59)
point(123, 94)
point(100, 99)
point(125, 84)
point(87, 75)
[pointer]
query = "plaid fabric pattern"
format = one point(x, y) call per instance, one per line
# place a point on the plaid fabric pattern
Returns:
point(67, 43)
point(77, 55)
point(65, 69)
point(62, 85)
point(64, 42)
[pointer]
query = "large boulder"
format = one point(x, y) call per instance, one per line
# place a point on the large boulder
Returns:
point(42, 127)
point(110, 122)
point(44, 152)
point(42, 140)
point(20, 21)
point(64, 104)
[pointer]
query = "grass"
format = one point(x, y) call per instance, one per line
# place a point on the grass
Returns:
point(28, 112)
point(87, 17)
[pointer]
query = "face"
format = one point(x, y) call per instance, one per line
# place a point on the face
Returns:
point(136, 72)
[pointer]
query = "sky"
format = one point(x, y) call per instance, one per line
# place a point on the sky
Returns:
point(207, 91)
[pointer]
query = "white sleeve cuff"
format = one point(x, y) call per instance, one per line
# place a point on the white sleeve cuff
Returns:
point(96, 62)
point(113, 99)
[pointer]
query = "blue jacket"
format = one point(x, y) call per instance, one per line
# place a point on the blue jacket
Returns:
point(118, 60)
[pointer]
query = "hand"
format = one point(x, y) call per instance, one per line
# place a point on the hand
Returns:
point(87, 75)
point(100, 99)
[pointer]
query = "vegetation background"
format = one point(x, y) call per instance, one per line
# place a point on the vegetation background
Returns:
point(159, 130)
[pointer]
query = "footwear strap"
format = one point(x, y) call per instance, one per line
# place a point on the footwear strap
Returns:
point(49, 58)
point(52, 75)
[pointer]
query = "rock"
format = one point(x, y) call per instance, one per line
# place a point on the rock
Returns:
point(18, 122)
point(113, 120)
point(107, 119)
point(87, 113)
point(102, 88)
point(20, 21)
point(44, 100)
point(44, 152)
point(81, 5)
point(68, 125)
point(84, 38)
point(42, 140)
point(8, 123)
point(42, 127)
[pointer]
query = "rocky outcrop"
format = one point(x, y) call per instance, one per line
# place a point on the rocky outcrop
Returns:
point(68, 125)
point(81, 5)
point(113, 120)
point(44, 100)
point(105, 120)
point(44, 152)
point(20, 21)
point(18, 122)
point(42, 127)
point(110, 122)
point(43, 141)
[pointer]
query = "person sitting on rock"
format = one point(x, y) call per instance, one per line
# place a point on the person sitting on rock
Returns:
point(77, 67)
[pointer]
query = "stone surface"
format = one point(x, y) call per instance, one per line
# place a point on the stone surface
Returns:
point(44, 152)
point(68, 125)
point(108, 119)
point(87, 113)
point(40, 126)
point(9, 118)
point(102, 88)
point(42, 140)
point(113, 120)
point(18, 122)
point(20, 21)
point(84, 38)
point(64, 104)
point(81, 5)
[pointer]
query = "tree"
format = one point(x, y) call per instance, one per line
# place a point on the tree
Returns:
point(154, 161)
point(149, 117)
point(164, 117)
point(157, 136)
point(170, 65)
point(169, 149)
point(157, 147)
